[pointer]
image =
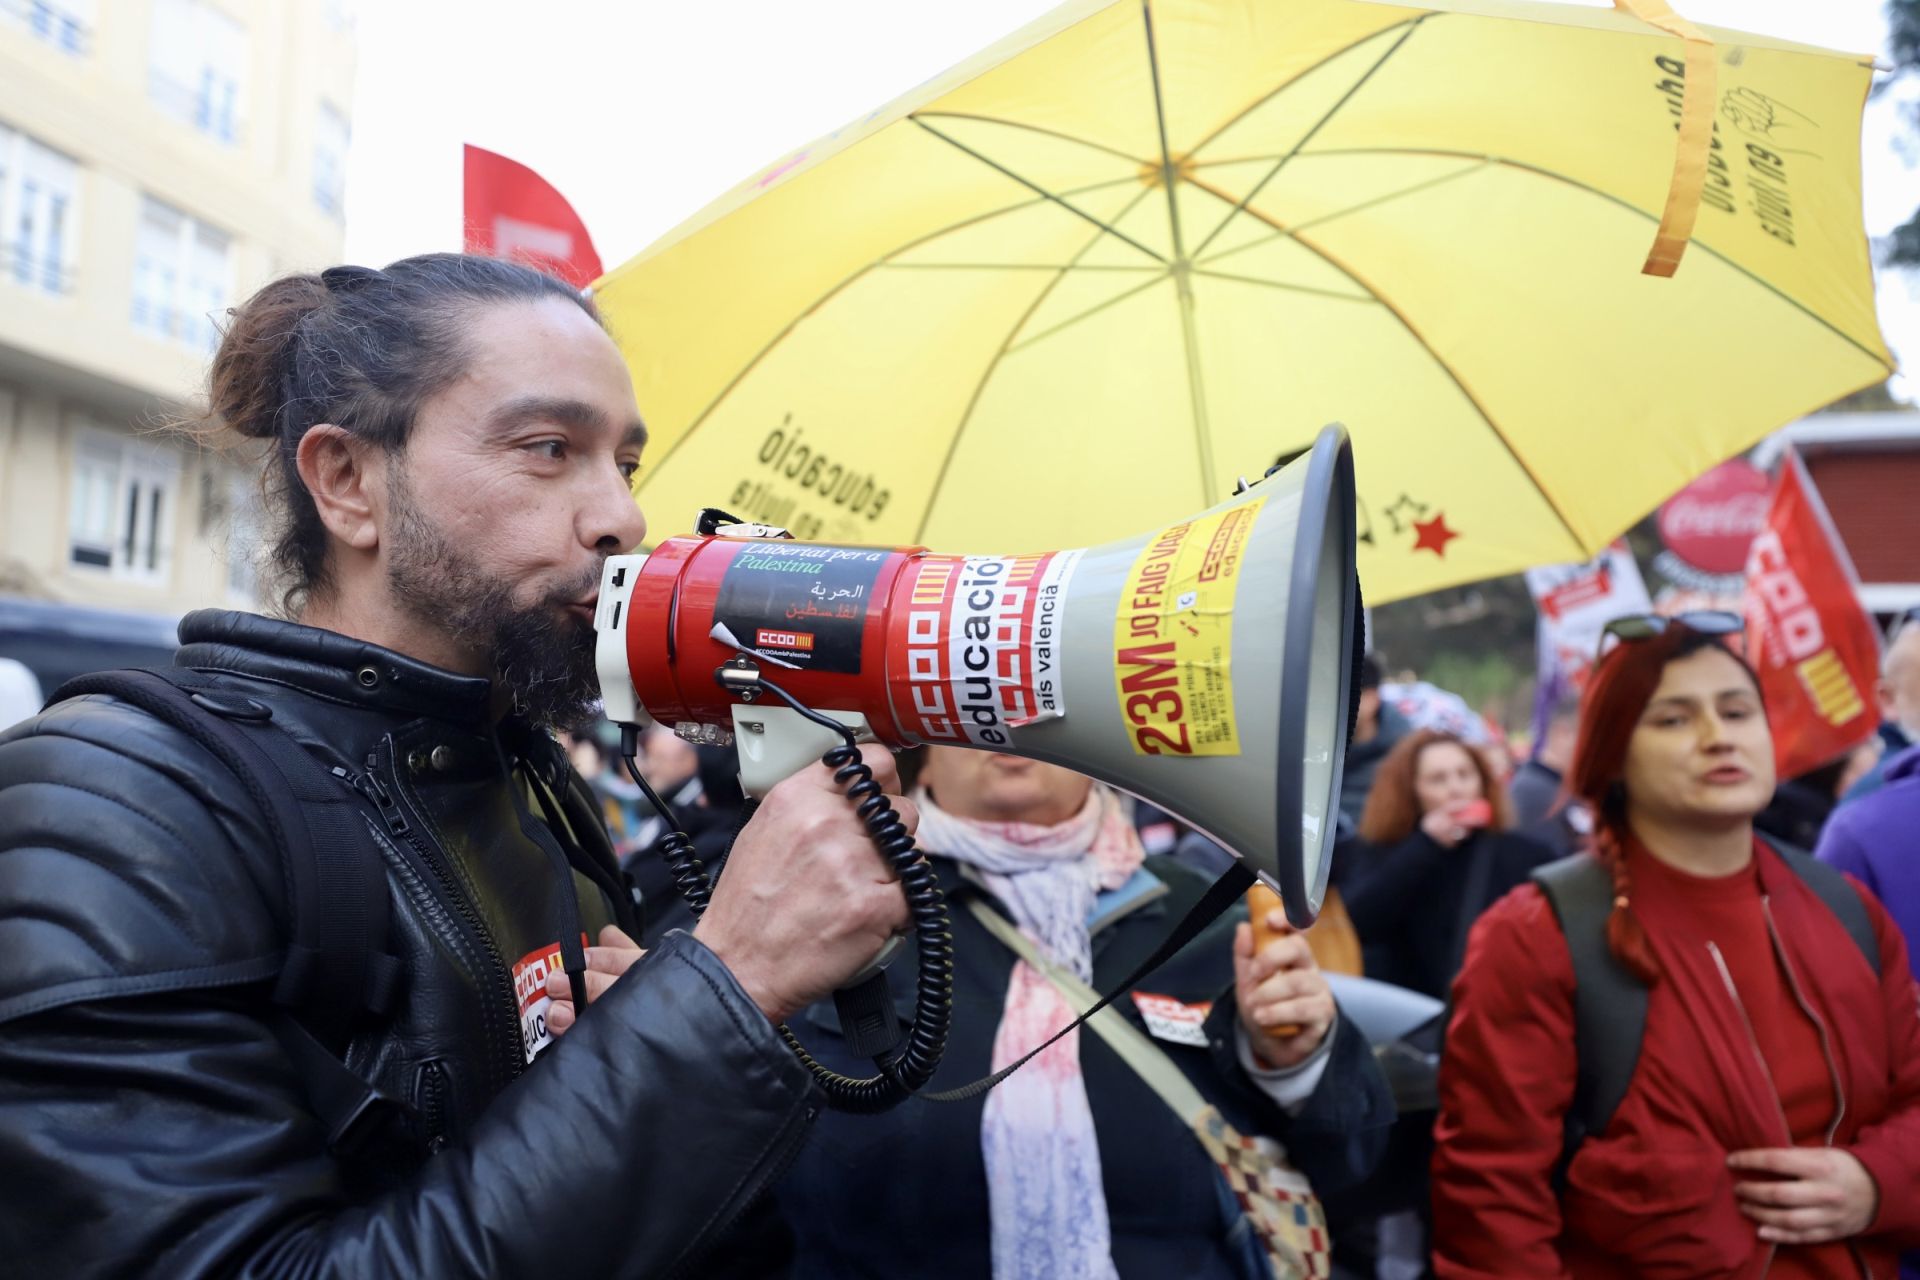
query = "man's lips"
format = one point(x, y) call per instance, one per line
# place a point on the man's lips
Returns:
point(586, 608)
point(1726, 774)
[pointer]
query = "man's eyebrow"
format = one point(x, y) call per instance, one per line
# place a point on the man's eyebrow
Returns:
point(528, 410)
point(635, 436)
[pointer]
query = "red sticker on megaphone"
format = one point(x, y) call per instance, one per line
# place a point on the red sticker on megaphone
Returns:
point(975, 651)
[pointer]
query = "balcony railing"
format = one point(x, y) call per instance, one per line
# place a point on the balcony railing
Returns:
point(198, 106)
point(51, 23)
point(19, 265)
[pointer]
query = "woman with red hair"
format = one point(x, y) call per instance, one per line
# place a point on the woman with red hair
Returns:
point(1770, 1123)
point(1434, 852)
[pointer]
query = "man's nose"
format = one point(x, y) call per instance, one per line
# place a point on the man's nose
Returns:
point(613, 522)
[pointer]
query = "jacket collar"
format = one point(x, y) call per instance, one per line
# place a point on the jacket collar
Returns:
point(331, 666)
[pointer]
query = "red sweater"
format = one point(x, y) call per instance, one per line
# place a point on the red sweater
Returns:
point(1651, 1196)
point(1727, 912)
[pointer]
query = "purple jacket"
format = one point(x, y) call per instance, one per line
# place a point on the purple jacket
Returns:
point(1876, 839)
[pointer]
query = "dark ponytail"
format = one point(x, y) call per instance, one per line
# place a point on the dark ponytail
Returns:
point(358, 348)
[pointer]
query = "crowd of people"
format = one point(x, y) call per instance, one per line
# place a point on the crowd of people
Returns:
point(1434, 890)
point(330, 952)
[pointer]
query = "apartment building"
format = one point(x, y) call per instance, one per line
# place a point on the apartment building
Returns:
point(159, 159)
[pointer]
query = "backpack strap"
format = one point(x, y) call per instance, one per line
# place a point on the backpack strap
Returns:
point(337, 965)
point(577, 823)
point(1832, 888)
point(1609, 1003)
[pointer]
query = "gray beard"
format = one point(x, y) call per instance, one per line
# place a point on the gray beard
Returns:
point(541, 654)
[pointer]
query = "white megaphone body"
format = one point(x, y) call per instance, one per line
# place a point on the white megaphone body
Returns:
point(1206, 667)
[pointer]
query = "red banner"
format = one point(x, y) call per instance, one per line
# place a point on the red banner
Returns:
point(512, 212)
point(1813, 644)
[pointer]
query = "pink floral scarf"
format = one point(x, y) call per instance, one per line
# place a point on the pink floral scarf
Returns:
point(1048, 1208)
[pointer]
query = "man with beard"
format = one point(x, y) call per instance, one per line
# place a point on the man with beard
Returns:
point(448, 447)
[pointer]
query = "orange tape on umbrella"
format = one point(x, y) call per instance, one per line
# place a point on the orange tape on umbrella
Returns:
point(1695, 140)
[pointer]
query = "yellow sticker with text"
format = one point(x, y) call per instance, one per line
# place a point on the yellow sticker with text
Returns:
point(1173, 636)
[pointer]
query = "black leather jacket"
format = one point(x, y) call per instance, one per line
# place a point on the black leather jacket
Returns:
point(152, 1124)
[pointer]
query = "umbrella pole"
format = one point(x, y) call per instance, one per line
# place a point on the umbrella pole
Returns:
point(1196, 387)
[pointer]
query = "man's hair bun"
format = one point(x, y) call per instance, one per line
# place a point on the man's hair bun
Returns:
point(250, 370)
point(346, 279)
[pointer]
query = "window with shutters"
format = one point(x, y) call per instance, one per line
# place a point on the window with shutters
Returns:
point(182, 275)
point(123, 506)
point(197, 67)
point(39, 188)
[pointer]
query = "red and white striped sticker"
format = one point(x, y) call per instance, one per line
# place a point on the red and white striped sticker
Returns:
point(974, 651)
point(530, 990)
point(1172, 1020)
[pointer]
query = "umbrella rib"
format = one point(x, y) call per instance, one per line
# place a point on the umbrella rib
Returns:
point(1182, 280)
point(1284, 285)
point(1288, 83)
point(882, 261)
point(986, 376)
point(1012, 266)
point(1414, 332)
point(1167, 178)
point(1526, 167)
point(1307, 137)
point(1089, 313)
point(1035, 187)
point(1030, 128)
point(886, 258)
point(1325, 218)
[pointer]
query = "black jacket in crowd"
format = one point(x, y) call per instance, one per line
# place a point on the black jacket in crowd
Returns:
point(151, 1123)
point(905, 1193)
point(1413, 902)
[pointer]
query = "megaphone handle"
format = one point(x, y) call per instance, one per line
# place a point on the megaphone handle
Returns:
point(868, 1019)
point(1260, 901)
point(907, 1073)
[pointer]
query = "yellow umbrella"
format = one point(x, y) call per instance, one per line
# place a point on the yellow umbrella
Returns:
point(1070, 289)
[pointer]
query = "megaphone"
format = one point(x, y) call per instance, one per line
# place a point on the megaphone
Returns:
point(1207, 667)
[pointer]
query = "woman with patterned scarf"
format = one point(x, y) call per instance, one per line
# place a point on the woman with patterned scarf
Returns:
point(1075, 1167)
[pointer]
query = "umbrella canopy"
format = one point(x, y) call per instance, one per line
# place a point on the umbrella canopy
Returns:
point(1072, 288)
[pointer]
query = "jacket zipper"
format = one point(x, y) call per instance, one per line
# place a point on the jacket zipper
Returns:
point(1826, 1047)
point(507, 1035)
point(433, 1105)
point(1800, 998)
point(1733, 992)
point(776, 1169)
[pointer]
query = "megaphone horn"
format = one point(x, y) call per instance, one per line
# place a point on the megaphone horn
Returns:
point(1206, 667)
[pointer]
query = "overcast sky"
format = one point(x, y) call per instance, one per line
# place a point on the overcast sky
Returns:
point(640, 111)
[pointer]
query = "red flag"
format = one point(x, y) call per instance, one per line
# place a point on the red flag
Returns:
point(513, 213)
point(1813, 644)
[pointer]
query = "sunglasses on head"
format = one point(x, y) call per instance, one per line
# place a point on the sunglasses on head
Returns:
point(1644, 626)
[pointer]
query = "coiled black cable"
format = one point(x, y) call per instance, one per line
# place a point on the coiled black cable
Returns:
point(909, 1071)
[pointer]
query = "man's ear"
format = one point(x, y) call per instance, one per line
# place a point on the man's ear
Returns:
point(344, 473)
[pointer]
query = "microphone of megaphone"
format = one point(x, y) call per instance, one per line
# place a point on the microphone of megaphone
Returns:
point(1207, 667)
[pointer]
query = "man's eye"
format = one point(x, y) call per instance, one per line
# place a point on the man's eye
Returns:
point(630, 470)
point(553, 449)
